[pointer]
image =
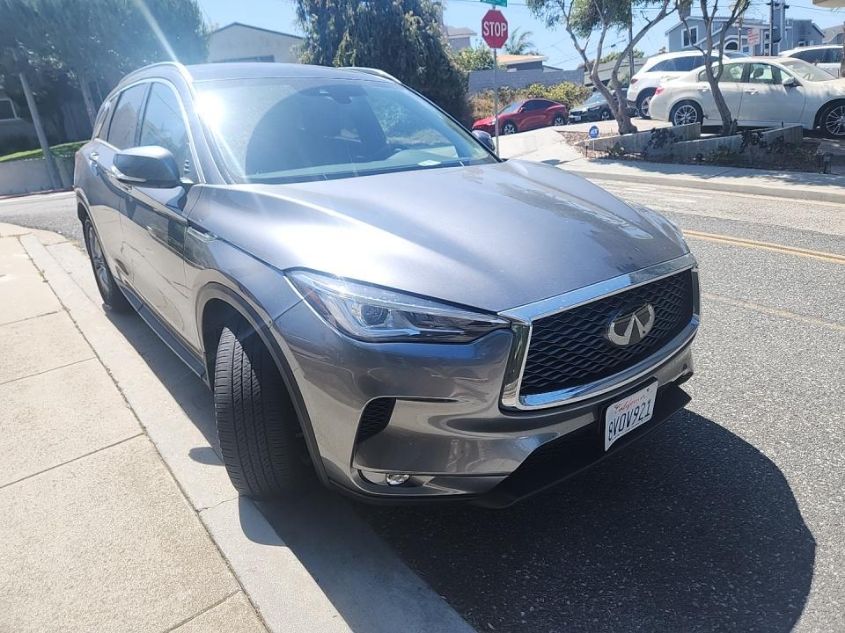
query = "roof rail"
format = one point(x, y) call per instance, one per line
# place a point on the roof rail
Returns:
point(378, 72)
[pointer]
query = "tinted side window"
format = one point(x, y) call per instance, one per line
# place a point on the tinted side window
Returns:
point(124, 123)
point(833, 55)
point(163, 124)
point(666, 66)
point(808, 56)
point(533, 105)
point(6, 110)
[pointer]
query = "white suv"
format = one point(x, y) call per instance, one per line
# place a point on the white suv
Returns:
point(827, 57)
point(656, 69)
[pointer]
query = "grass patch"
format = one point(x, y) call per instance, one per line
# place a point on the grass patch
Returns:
point(65, 150)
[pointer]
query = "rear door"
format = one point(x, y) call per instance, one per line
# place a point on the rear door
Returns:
point(765, 100)
point(155, 221)
point(106, 196)
point(729, 86)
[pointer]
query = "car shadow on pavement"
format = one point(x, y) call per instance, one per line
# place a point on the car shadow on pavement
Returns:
point(692, 530)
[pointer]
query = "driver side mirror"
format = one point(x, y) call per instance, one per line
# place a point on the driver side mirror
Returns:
point(149, 166)
point(485, 139)
point(790, 82)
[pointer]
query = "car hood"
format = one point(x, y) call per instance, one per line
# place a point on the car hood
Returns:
point(492, 236)
point(489, 120)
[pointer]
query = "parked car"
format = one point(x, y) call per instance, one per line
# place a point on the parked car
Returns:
point(527, 114)
point(367, 289)
point(827, 57)
point(593, 109)
point(660, 69)
point(760, 91)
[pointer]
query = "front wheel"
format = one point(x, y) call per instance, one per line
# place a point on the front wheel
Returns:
point(606, 115)
point(111, 293)
point(559, 120)
point(259, 433)
point(685, 113)
point(509, 128)
point(832, 120)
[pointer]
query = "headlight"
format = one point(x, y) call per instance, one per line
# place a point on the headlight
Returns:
point(371, 313)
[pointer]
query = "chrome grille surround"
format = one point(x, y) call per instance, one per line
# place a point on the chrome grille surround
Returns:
point(523, 317)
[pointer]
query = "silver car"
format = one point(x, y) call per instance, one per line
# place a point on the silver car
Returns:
point(372, 295)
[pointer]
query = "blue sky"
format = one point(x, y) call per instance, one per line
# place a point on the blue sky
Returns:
point(555, 44)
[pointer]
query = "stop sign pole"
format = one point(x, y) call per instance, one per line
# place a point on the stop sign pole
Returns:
point(494, 30)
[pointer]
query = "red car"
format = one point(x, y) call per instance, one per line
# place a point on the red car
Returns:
point(527, 114)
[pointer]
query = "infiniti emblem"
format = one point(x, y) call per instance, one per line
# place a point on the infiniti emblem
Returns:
point(632, 327)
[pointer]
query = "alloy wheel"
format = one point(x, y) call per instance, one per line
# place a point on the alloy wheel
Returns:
point(685, 114)
point(645, 107)
point(509, 128)
point(98, 258)
point(834, 121)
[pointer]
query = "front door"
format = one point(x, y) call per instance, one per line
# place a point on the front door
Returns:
point(766, 101)
point(155, 221)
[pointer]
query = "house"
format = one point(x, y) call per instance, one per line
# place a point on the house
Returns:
point(513, 63)
point(829, 4)
point(238, 42)
point(459, 37)
point(749, 36)
point(834, 35)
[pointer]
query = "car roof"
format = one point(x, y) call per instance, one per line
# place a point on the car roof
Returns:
point(814, 47)
point(675, 55)
point(253, 70)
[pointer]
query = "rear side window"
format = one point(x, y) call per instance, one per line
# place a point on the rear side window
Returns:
point(813, 57)
point(688, 63)
point(534, 105)
point(124, 123)
point(833, 55)
point(163, 124)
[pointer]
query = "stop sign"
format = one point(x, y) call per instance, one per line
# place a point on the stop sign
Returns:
point(494, 29)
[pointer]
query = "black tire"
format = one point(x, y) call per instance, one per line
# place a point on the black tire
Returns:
point(113, 297)
point(606, 115)
point(260, 436)
point(643, 102)
point(832, 120)
point(509, 127)
point(560, 119)
point(686, 112)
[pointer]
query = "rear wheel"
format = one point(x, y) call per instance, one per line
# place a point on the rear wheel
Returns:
point(832, 120)
point(559, 120)
point(509, 128)
point(606, 114)
point(111, 293)
point(644, 103)
point(686, 112)
point(260, 436)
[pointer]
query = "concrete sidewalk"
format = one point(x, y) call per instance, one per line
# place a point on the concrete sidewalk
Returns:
point(546, 145)
point(117, 511)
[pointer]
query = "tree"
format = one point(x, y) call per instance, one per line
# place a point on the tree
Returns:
point(714, 45)
point(582, 19)
point(519, 43)
point(612, 57)
point(99, 41)
point(474, 58)
point(401, 37)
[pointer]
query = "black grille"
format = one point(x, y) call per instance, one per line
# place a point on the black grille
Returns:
point(375, 417)
point(570, 348)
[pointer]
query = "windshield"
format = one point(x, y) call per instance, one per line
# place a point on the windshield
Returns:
point(280, 130)
point(595, 99)
point(803, 70)
point(511, 107)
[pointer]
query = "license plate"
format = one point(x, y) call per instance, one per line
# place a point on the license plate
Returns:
point(575, 117)
point(629, 413)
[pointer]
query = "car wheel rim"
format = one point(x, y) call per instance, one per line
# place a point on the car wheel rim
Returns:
point(508, 129)
point(644, 106)
point(685, 115)
point(558, 120)
point(98, 259)
point(834, 122)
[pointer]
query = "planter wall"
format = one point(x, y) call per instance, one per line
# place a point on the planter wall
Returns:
point(29, 176)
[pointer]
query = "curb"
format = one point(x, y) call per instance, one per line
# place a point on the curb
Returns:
point(787, 191)
point(325, 583)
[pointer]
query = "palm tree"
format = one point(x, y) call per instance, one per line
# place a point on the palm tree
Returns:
point(519, 43)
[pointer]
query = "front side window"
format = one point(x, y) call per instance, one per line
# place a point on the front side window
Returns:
point(163, 124)
point(806, 71)
point(124, 123)
point(730, 73)
point(279, 130)
point(763, 74)
point(811, 57)
point(7, 111)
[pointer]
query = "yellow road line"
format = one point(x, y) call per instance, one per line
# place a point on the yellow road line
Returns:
point(767, 246)
point(784, 314)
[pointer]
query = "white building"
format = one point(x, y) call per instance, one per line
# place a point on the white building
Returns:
point(238, 42)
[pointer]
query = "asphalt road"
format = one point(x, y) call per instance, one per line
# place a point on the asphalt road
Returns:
point(730, 518)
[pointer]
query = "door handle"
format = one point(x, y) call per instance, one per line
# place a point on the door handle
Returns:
point(751, 91)
point(704, 90)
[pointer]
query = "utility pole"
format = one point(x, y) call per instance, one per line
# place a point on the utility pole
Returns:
point(631, 50)
point(771, 25)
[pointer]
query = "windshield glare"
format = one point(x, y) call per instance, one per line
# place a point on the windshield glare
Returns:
point(511, 107)
point(594, 99)
point(283, 130)
point(803, 70)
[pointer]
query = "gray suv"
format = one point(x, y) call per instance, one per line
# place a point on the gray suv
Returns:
point(372, 295)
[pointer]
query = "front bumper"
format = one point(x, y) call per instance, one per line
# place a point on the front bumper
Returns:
point(447, 428)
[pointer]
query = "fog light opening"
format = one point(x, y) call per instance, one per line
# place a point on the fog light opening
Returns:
point(396, 479)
